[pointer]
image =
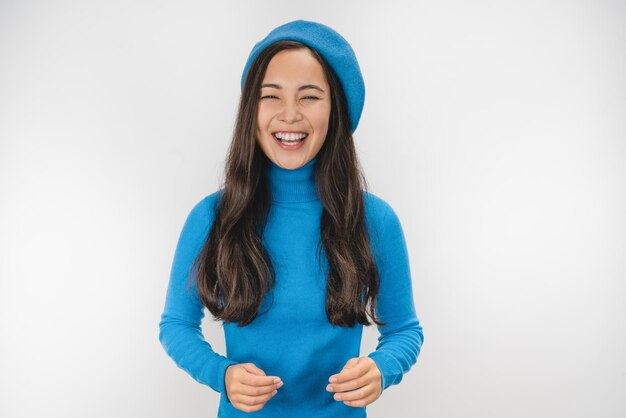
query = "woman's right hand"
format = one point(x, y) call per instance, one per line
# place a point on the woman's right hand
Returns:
point(248, 388)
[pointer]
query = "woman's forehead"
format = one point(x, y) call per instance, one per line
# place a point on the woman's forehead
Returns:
point(294, 69)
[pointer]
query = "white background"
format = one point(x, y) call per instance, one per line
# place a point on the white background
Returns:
point(496, 130)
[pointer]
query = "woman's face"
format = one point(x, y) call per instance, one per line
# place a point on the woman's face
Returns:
point(294, 101)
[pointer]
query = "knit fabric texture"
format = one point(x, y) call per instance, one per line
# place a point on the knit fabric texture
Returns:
point(291, 337)
point(335, 50)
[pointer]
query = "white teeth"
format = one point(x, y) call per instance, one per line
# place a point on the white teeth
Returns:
point(290, 136)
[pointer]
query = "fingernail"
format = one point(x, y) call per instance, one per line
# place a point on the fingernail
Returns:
point(329, 388)
point(274, 393)
point(277, 380)
point(333, 379)
point(279, 384)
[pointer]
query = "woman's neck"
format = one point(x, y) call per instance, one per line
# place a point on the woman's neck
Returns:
point(297, 185)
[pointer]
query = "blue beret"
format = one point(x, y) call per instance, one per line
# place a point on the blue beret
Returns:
point(335, 50)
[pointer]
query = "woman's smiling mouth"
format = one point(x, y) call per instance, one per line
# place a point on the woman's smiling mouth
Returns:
point(290, 140)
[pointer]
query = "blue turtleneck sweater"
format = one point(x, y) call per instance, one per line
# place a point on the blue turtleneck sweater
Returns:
point(291, 337)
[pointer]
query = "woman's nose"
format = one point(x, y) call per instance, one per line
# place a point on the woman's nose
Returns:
point(290, 113)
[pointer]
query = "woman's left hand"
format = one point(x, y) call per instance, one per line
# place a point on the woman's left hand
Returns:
point(358, 384)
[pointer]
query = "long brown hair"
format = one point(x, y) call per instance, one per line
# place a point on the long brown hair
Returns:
point(233, 269)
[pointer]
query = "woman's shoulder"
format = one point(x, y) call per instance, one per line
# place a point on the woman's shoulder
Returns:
point(376, 208)
point(203, 211)
point(383, 223)
point(379, 214)
point(211, 201)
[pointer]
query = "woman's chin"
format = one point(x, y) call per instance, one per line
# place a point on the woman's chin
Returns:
point(291, 161)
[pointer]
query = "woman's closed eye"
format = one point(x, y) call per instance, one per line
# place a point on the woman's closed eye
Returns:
point(274, 97)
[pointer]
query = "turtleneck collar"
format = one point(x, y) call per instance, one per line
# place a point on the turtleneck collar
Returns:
point(297, 185)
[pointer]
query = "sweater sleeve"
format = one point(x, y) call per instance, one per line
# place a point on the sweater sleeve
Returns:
point(401, 339)
point(180, 333)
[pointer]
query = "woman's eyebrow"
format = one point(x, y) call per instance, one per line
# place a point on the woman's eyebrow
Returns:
point(304, 87)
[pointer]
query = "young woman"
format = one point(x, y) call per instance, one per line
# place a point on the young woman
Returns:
point(293, 253)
